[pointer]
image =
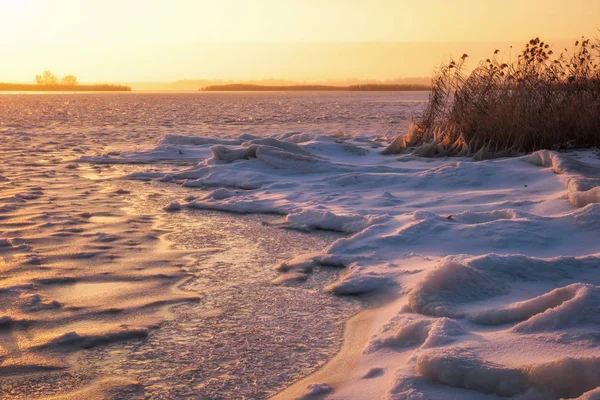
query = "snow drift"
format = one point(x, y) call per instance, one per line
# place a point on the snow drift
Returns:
point(494, 265)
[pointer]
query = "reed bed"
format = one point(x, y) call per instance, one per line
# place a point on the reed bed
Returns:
point(541, 100)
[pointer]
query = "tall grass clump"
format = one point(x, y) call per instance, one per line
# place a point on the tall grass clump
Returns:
point(542, 100)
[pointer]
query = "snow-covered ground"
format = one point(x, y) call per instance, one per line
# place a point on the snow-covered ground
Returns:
point(482, 278)
point(493, 266)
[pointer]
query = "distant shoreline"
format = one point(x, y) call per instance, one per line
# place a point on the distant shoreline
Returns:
point(25, 87)
point(298, 88)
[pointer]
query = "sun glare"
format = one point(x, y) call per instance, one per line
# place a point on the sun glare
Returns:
point(13, 12)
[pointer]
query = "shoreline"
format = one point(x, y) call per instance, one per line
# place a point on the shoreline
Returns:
point(346, 363)
point(338, 370)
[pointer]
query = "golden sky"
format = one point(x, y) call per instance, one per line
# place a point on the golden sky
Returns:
point(164, 40)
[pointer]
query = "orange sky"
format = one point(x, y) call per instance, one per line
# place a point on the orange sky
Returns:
point(165, 40)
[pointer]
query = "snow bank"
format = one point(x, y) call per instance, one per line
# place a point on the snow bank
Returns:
point(76, 340)
point(460, 368)
point(171, 148)
point(295, 161)
point(407, 330)
point(494, 265)
point(310, 219)
point(207, 176)
point(573, 306)
point(359, 280)
point(581, 199)
point(225, 154)
point(563, 307)
point(458, 280)
point(566, 377)
point(283, 145)
point(237, 203)
point(453, 283)
point(582, 179)
point(317, 389)
point(591, 395)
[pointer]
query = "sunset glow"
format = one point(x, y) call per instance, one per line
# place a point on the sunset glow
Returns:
point(299, 199)
point(240, 39)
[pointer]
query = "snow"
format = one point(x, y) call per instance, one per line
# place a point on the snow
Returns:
point(173, 206)
point(492, 266)
point(172, 139)
point(460, 368)
point(591, 395)
point(89, 259)
point(310, 219)
point(409, 330)
point(583, 179)
point(315, 389)
point(571, 306)
point(457, 280)
point(464, 370)
point(92, 340)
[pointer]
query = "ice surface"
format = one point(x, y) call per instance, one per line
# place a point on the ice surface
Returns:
point(491, 268)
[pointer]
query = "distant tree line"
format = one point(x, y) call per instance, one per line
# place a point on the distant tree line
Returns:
point(47, 78)
point(241, 87)
point(47, 81)
point(374, 87)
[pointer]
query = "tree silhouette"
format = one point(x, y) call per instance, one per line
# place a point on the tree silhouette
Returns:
point(46, 79)
point(70, 80)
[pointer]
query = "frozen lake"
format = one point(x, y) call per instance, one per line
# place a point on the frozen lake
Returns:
point(216, 113)
point(216, 245)
point(87, 260)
